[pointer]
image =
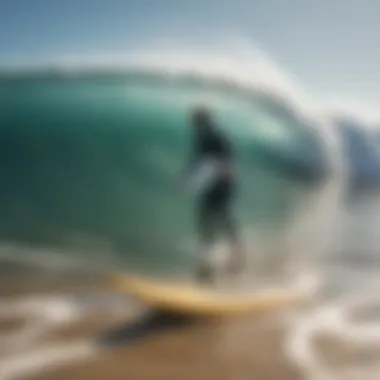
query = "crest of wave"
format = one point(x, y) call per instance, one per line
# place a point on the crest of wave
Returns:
point(234, 61)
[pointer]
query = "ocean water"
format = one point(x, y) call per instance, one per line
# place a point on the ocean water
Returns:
point(88, 169)
point(90, 163)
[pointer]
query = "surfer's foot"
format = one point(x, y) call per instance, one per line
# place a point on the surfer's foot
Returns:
point(204, 274)
point(235, 265)
point(234, 268)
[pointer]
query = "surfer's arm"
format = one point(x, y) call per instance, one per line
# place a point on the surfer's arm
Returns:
point(194, 157)
point(190, 165)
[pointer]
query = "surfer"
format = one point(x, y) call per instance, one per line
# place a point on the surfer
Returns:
point(214, 210)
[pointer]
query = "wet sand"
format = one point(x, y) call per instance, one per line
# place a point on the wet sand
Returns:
point(243, 348)
point(197, 353)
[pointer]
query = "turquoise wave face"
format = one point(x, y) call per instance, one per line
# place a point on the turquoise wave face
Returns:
point(99, 158)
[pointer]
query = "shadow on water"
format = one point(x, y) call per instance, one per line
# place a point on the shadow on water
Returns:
point(152, 323)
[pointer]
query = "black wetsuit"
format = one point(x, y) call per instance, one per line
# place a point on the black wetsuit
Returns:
point(214, 207)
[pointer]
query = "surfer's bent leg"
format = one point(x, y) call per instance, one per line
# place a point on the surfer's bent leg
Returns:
point(236, 261)
point(206, 222)
point(215, 214)
point(228, 224)
point(221, 205)
point(206, 225)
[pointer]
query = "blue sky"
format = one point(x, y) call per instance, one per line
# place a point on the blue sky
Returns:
point(330, 45)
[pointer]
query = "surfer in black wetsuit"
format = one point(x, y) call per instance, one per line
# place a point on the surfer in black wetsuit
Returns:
point(214, 212)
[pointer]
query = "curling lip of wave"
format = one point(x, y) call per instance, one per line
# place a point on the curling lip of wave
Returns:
point(251, 72)
point(242, 66)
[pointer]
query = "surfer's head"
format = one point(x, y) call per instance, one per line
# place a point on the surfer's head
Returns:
point(201, 117)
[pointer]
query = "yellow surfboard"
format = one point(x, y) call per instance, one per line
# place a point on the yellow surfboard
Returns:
point(192, 299)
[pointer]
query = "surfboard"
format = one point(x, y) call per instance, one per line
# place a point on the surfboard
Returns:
point(192, 299)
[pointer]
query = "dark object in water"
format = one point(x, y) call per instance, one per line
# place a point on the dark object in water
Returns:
point(153, 322)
